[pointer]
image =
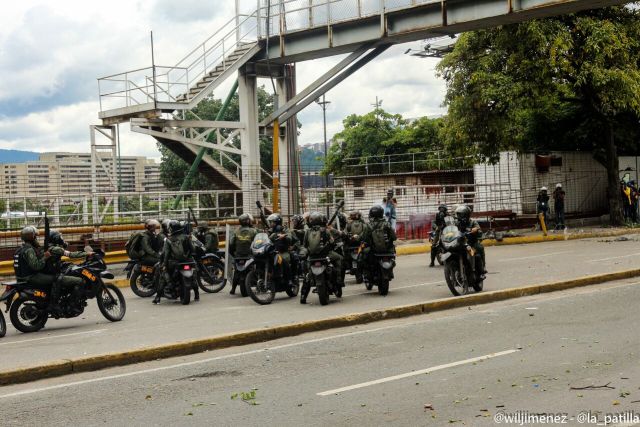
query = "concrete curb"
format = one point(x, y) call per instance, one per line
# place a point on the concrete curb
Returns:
point(424, 248)
point(65, 367)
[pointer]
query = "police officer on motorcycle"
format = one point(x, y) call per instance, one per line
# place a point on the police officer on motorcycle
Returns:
point(318, 231)
point(380, 235)
point(58, 249)
point(472, 229)
point(438, 225)
point(208, 237)
point(30, 261)
point(240, 242)
point(282, 241)
point(177, 248)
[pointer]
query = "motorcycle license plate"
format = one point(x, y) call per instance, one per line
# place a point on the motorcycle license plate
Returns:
point(146, 269)
point(206, 261)
point(89, 275)
point(39, 294)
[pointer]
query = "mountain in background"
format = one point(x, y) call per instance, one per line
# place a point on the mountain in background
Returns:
point(17, 156)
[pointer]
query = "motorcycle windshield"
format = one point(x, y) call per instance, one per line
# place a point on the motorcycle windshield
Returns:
point(261, 240)
point(450, 234)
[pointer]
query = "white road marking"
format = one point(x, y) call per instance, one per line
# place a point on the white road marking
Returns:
point(199, 362)
point(414, 373)
point(397, 287)
point(96, 331)
point(614, 257)
point(534, 256)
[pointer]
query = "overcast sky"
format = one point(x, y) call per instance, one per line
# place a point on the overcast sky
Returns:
point(51, 54)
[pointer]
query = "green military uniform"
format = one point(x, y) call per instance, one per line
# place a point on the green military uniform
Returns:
point(209, 239)
point(29, 265)
point(473, 240)
point(178, 248)
point(53, 263)
point(327, 245)
point(390, 235)
point(282, 246)
point(240, 244)
point(359, 228)
point(149, 248)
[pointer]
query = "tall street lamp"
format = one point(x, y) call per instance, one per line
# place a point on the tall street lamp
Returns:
point(323, 104)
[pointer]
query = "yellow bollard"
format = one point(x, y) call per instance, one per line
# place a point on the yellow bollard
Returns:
point(542, 224)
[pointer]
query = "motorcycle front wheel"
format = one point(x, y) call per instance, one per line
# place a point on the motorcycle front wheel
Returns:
point(212, 278)
point(293, 291)
point(111, 303)
point(452, 274)
point(258, 290)
point(26, 316)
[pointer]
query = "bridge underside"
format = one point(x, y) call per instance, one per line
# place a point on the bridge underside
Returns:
point(416, 23)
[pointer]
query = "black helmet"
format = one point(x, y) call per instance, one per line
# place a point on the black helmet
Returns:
point(29, 234)
point(165, 226)
point(55, 238)
point(175, 227)
point(298, 222)
point(203, 228)
point(442, 208)
point(355, 215)
point(376, 211)
point(274, 220)
point(463, 213)
point(246, 219)
point(315, 219)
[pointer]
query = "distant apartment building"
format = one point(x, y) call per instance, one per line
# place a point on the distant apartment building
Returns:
point(70, 173)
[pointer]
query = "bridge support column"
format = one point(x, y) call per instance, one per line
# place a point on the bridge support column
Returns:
point(288, 148)
point(249, 140)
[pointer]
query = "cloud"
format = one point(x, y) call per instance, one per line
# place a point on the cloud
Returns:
point(190, 11)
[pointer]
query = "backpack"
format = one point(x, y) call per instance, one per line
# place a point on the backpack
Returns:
point(244, 238)
point(315, 241)
point(379, 238)
point(179, 249)
point(133, 245)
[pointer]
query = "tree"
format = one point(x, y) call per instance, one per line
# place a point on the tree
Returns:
point(173, 169)
point(378, 134)
point(571, 82)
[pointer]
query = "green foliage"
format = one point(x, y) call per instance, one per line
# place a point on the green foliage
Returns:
point(565, 83)
point(377, 134)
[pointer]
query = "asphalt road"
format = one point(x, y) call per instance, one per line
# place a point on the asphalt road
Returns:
point(460, 367)
point(147, 325)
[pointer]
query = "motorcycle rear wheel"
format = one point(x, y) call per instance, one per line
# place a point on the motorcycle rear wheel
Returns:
point(293, 292)
point(383, 286)
point(142, 285)
point(112, 308)
point(26, 317)
point(3, 326)
point(185, 291)
point(323, 292)
point(260, 292)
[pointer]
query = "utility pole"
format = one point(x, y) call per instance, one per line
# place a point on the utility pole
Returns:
point(323, 104)
point(376, 109)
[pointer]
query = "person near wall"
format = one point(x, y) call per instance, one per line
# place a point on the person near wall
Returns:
point(389, 204)
point(542, 208)
point(634, 201)
point(558, 205)
point(626, 200)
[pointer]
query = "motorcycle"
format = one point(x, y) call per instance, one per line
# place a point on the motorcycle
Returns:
point(354, 249)
point(210, 269)
point(380, 272)
point(28, 305)
point(261, 281)
point(460, 261)
point(240, 270)
point(183, 280)
point(322, 276)
point(142, 278)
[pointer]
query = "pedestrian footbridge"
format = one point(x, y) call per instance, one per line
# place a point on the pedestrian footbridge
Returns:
point(264, 39)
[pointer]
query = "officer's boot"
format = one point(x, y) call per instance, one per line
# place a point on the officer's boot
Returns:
point(433, 257)
point(162, 280)
point(304, 292)
point(234, 283)
point(54, 308)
